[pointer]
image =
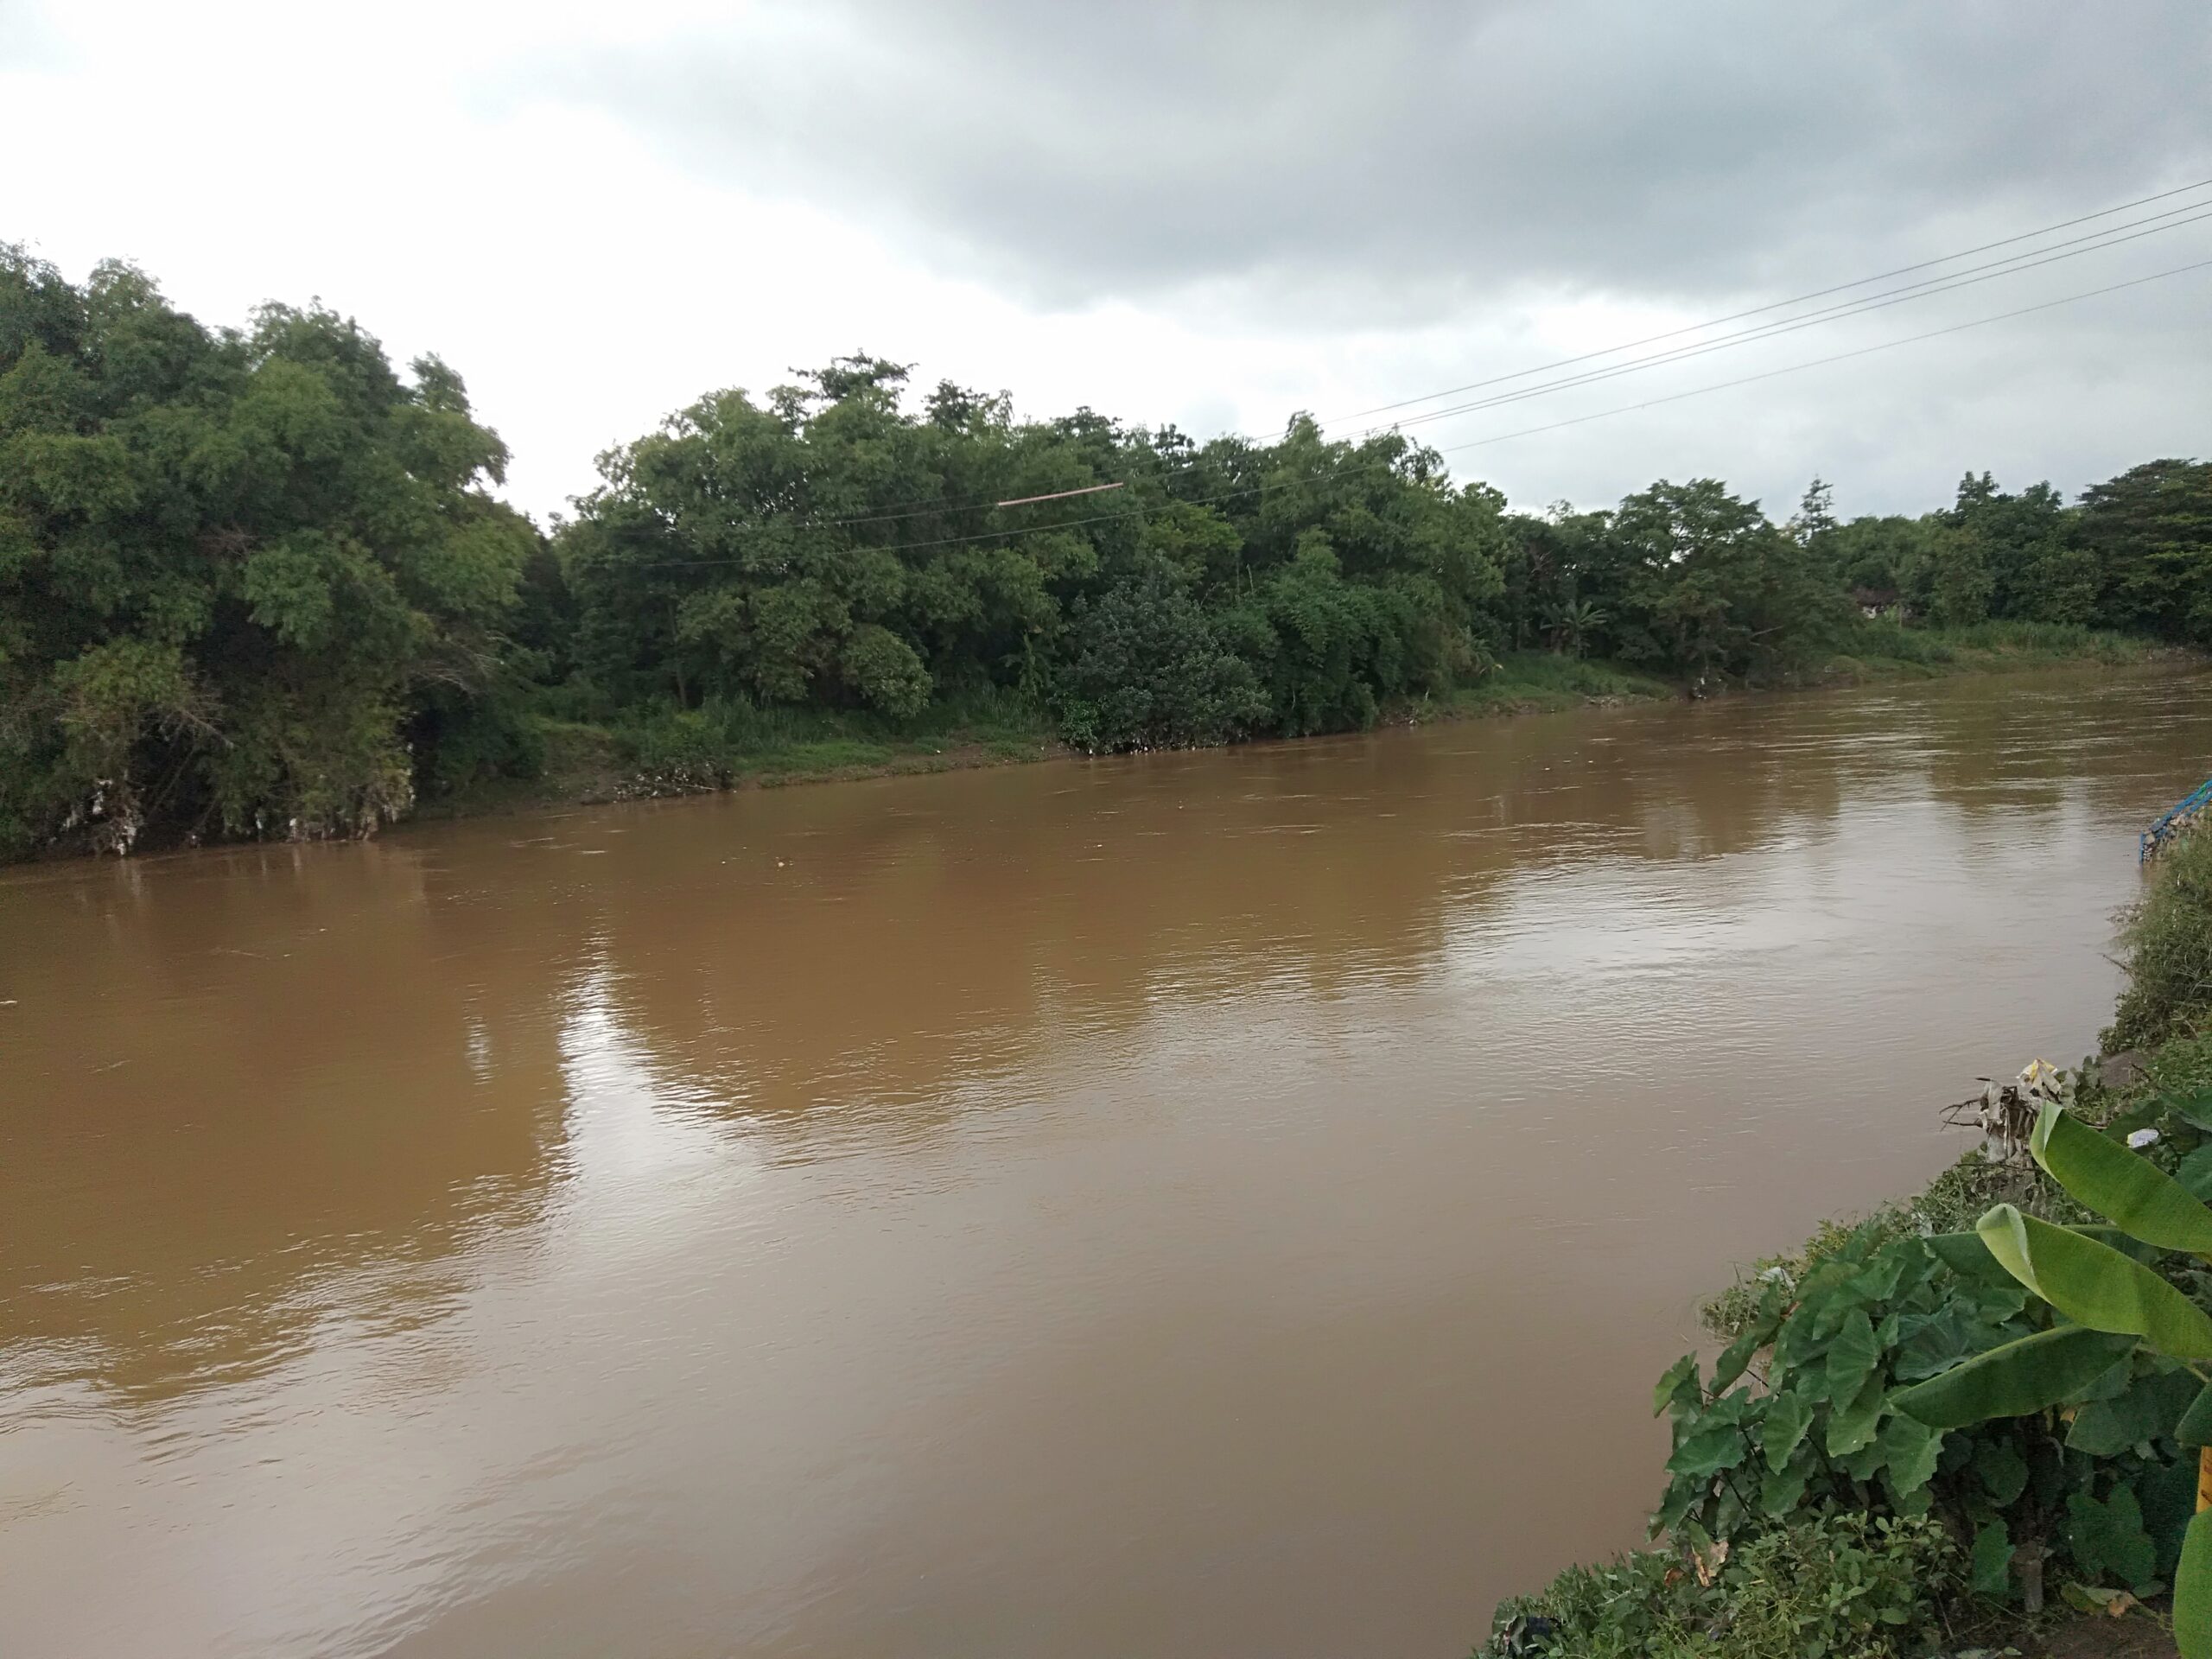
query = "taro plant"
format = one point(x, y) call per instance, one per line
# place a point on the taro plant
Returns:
point(2130, 1335)
point(1813, 1425)
point(1801, 1417)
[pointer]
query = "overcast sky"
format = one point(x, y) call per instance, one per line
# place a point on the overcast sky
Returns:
point(1209, 214)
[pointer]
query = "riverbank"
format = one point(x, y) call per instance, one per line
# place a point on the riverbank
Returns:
point(1807, 1510)
point(725, 746)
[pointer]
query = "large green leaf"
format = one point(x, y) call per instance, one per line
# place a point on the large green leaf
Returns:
point(1788, 1417)
point(1851, 1427)
point(1865, 1463)
point(1736, 1357)
point(2194, 1172)
point(2193, 1591)
point(2004, 1472)
point(1966, 1254)
point(2195, 1109)
point(1706, 1450)
point(2028, 1376)
point(2109, 1537)
point(1782, 1492)
point(1880, 1280)
point(2094, 1285)
point(2132, 1192)
point(1682, 1496)
point(1852, 1356)
point(1910, 1449)
point(1938, 1342)
point(1992, 1560)
point(1678, 1387)
point(2168, 1495)
point(2149, 1410)
point(2196, 1427)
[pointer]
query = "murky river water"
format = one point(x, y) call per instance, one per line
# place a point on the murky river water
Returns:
point(1211, 1204)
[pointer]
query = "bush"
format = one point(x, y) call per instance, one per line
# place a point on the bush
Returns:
point(460, 740)
point(2169, 951)
point(681, 750)
point(1148, 673)
point(1843, 1586)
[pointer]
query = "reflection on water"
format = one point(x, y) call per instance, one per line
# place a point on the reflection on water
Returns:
point(1208, 1203)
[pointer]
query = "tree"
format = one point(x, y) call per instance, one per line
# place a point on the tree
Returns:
point(1816, 517)
point(1711, 587)
point(2149, 531)
point(234, 566)
point(1961, 584)
point(1149, 671)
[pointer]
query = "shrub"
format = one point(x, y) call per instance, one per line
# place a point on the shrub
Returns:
point(2169, 951)
point(1844, 1586)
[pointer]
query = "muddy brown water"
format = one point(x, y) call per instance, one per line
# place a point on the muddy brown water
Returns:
point(1209, 1204)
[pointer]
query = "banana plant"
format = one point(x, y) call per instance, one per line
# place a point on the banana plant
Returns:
point(2116, 1306)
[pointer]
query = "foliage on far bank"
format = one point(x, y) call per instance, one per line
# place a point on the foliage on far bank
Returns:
point(250, 581)
point(254, 582)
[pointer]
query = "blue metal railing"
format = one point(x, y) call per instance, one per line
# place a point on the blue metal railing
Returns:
point(2174, 820)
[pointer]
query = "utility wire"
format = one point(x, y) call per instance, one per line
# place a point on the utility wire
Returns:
point(1778, 305)
point(1478, 443)
point(2099, 241)
point(1783, 325)
point(1819, 362)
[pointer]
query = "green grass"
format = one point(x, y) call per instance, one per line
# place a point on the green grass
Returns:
point(729, 743)
point(1527, 681)
point(1878, 649)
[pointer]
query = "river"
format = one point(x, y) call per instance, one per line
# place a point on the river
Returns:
point(1199, 1205)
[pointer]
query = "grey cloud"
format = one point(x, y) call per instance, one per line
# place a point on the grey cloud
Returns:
point(1408, 159)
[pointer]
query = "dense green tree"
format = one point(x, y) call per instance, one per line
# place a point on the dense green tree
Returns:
point(824, 547)
point(234, 566)
point(2149, 533)
point(1149, 669)
point(2021, 549)
point(1888, 559)
point(1704, 584)
point(254, 581)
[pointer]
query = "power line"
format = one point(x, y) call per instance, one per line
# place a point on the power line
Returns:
point(2100, 241)
point(1580, 420)
point(1781, 326)
point(1875, 303)
point(1778, 305)
point(1819, 362)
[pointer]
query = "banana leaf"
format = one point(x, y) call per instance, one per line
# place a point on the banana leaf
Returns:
point(2028, 1376)
point(2132, 1192)
point(2094, 1285)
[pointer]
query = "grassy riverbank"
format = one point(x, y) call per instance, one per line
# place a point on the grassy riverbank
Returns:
point(735, 744)
point(1804, 1514)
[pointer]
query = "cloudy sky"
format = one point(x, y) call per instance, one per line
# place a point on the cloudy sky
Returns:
point(1209, 214)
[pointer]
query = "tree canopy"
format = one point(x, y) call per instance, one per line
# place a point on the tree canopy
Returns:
point(256, 583)
point(236, 568)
